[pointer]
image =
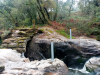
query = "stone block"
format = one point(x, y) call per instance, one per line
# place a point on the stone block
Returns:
point(9, 40)
point(21, 41)
point(13, 45)
point(22, 45)
point(5, 45)
point(26, 60)
point(21, 50)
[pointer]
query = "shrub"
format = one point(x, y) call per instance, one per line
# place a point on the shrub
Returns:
point(57, 25)
point(83, 27)
point(0, 40)
point(98, 37)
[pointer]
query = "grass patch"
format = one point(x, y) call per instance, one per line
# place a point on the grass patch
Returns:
point(40, 25)
point(42, 30)
point(31, 26)
point(62, 32)
point(0, 41)
point(79, 17)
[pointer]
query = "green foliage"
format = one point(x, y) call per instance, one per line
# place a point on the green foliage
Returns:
point(80, 60)
point(26, 22)
point(88, 33)
point(98, 37)
point(90, 8)
point(1, 47)
point(6, 32)
point(18, 11)
point(44, 11)
point(23, 12)
point(0, 41)
point(40, 25)
point(89, 69)
point(79, 17)
point(62, 32)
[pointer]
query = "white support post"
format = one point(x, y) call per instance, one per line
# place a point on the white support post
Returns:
point(52, 51)
point(70, 34)
point(22, 55)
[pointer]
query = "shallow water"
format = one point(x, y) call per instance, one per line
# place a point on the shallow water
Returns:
point(82, 71)
point(77, 72)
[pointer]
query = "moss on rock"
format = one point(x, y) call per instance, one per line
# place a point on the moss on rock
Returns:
point(13, 45)
point(19, 38)
point(21, 45)
point(21, 50)
point(22, 33)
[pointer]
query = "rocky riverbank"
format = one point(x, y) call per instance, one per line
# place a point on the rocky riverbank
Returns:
point(93, 64)
point(12, 63)
point(74, 52)
point(18, 38)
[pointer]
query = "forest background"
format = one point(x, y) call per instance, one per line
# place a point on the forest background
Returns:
point(82, 16)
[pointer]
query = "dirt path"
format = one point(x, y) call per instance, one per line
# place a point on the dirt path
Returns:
point(51, 34)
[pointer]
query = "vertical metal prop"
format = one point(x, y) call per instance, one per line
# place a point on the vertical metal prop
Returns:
point(52, 51)
point(22, 55)
point(70, 34)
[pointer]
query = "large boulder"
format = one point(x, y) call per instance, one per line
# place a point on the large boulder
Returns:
point(93, 64)
point(15, 64)
point(37, 67)
point(74, 52)
point(7, 55)
point(86, 47)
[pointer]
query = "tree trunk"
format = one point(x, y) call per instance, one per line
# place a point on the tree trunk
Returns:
point(30, 16)
point(11, 19)
point(70, 8)
point(40, 17)
point(55, 16)
point(41, 9)
point(43, 16)
point(47, 13)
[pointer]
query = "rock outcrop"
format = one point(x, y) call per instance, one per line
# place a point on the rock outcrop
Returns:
point(17, 65)
point(73, 52)
point(84, 47)
point(87, 47)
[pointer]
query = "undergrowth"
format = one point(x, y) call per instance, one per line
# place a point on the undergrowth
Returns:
point(62, 32)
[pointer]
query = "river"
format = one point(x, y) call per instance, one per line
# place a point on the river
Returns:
point(77, 72)
point(82, 71)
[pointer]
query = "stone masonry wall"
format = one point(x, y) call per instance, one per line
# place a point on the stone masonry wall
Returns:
point(19, 39)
